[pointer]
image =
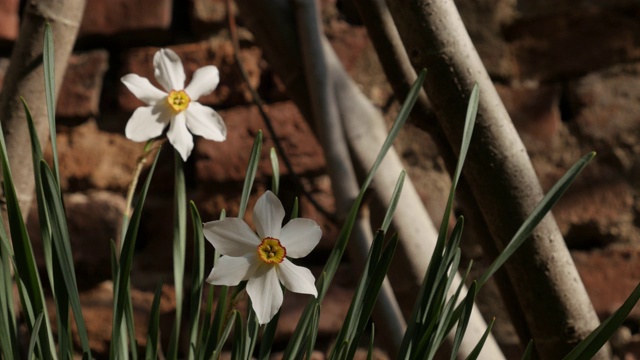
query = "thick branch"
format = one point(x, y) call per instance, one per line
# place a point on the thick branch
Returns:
point(500, 174)
point(25, 78)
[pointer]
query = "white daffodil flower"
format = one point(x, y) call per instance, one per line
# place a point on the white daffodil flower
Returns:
point(262, 259)
point(177, 107)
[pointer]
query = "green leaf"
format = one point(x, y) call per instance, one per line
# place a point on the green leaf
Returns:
point(237, 349)
point(197, 275)
point(536, 216)
point(48, 55)
point(225, 334)
point(588, 347)
point(8, 330)
point(250, 334)
point(467, 307)
point(153, 329)
point(179, 248)
point(34, 337)
point(275, 168)
point(395, 197)
point(371, 341)
point(126, 258)
point(266, 343)
point(252, 169)
point(62, 248)
point(478, 348)
point(528, 351)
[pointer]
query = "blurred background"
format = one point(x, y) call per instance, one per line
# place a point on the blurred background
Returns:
point(567, 71)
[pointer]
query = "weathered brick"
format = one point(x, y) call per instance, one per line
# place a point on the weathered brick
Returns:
point(232, 89)
point(534, 110)
point(82, 85)
point(109, 17)
point(93, 159)
point(564, 44)
point(209, 15)
point(609, 277)
point(9, 20)
point(227, 161)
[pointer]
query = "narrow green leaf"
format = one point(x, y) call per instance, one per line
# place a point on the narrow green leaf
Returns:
point(315, 320)
point(216, 331)
point(48, 55)
point(395, 197)
point(197, 276)
point(588, 347)
point(34, 337)
point(373, 290)
point(266, 343)
point(371, 341)
point(225, 334)
point(126, 258)
point(467, 307)
point(153, 329)
point(130, 326)
point(275, 168)
point(237, 348)
point(478, 348)
point(528, 351)
point(536, 216)
point(24, 261)
point(62, 249)
point(250, 334)
point(252, 168)
point(300, 333)
point(179, 248)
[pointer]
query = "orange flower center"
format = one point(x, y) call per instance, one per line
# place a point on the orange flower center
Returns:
point(271, 251)
point(178, 100)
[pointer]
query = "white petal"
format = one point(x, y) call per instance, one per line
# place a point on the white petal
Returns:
point(168, 69)
point(204, 81)
point(229, 271)
point(268, 215)
point(142, 89)
point(204, 121)
point(297, 278)
point(179, 136)
point(265, 294)
point(231, 236)
point(300, 236)
point(147, 122)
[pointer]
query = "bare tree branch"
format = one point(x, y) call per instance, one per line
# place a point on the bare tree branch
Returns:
point(25, 78)
point(273, 25)
point(500, 174)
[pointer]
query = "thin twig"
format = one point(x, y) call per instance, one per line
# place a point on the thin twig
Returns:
point(260, 104)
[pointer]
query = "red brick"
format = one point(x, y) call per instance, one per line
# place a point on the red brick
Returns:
point(232, 89)
point(609, 277)
point(93, 159)
point(227, 161)
point(9, 19)
point(209, 15)
point(534, 111)
point(82, 85)
point(108, 17)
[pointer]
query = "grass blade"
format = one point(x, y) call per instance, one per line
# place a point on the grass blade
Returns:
point(197, 275)
point(528, 352)
point(395, 197)
point(126, 258)
point(275, 168)
point(50, 94)
point(252, 169)
point(478, 348)
point(153, 329)
point(179, 248)
point(225, 334)
point(34, 337)
point(588, 347)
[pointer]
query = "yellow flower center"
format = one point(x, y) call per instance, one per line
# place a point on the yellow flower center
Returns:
point(178, 100)
point(271, 251)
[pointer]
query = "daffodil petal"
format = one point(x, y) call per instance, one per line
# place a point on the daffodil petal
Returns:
point(297, 279)
point(229, 271)
point(143, 89)
point(231, 236)
point(204, 121)
point(265, 293)
point(203, 82)
point(168, 69)
point(268, 215)
point(300, 236)
point(146, 123)
point(179, 136)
